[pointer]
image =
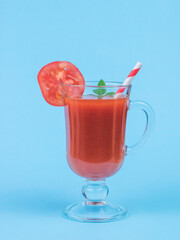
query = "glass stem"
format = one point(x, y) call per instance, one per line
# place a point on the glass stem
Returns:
point(95, 192)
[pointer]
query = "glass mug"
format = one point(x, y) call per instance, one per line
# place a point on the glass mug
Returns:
point(95, 133)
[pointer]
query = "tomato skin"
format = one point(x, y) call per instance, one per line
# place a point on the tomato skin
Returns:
point(52, 75)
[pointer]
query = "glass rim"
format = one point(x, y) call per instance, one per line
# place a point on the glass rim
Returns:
point(113, 84)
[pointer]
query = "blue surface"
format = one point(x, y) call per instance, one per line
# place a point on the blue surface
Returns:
point(104, 39)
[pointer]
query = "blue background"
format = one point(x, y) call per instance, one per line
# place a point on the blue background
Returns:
point(104, 39)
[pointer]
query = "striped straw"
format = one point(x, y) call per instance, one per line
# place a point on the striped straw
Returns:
point(130, 77)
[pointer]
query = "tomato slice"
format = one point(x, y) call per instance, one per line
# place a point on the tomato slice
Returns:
point(50, 77)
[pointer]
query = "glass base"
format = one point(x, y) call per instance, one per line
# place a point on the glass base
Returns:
point(95, 212)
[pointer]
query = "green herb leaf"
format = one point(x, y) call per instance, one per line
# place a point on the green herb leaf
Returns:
point(110, 94)
point(100, 91)
point(101, 83)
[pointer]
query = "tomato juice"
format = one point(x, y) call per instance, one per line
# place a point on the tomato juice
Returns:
point(95, 135)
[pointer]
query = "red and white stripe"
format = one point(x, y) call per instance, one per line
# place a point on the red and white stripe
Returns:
point(130, 77)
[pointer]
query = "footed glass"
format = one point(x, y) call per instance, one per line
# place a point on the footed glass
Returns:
point(95, 133)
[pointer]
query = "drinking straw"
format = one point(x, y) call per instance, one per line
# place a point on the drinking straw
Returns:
point(129, 79)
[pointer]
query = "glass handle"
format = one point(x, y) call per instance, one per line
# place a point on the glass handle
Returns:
point(150, 119)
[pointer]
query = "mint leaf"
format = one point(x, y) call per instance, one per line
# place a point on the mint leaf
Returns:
point(110, 94)
point(101, 83)
point(100, 91)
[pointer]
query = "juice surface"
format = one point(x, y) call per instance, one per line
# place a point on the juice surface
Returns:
point(95, 135)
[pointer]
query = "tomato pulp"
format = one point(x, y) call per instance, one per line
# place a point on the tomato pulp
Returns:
point(52, 75)
point(95, 135)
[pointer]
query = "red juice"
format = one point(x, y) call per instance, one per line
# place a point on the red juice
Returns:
point(95, 135)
